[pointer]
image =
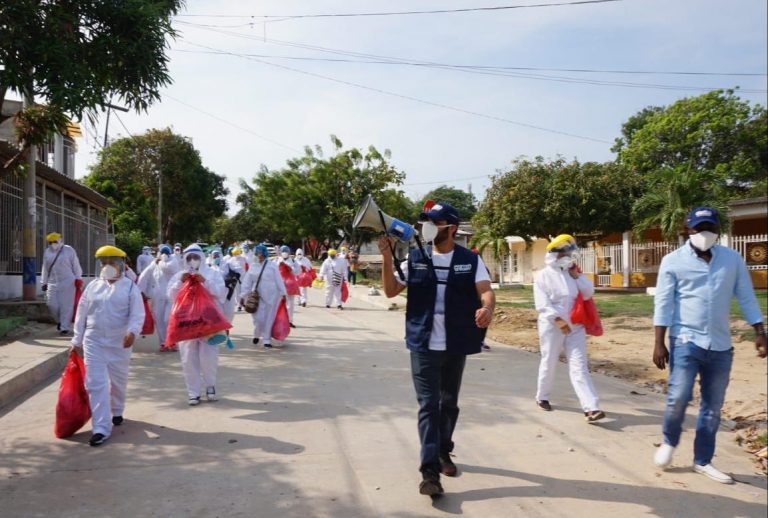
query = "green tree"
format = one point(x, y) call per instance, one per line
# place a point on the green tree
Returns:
point(484, 238)
point(75, 56)
point(128, 173)
point(718, 136)
point(317, 197)
point(462, 200)
point(541, 198)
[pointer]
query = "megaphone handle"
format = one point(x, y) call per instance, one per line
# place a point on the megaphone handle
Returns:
point(392, 248)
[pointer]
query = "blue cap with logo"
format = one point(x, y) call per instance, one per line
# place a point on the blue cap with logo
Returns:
point(701, 215)
point(440, 212)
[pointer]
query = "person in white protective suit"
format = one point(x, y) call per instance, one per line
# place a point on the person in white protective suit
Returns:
point(109, 317)
point(197, 355)
point(61, 270)
point(304, 265)
point(238, 264)
point(555, 290)
point(271, 289)
point(291, 269)
point(144, 260)
point(334, 271)
point(154, 282)
point(231, 281)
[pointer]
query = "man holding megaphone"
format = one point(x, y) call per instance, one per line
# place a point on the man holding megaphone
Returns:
point(450, 305)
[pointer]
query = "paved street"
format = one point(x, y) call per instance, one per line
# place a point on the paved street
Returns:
point(326, 427)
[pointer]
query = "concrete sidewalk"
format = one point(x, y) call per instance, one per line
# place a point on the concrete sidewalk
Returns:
point(30, 360)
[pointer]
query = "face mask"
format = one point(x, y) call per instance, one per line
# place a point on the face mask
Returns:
point(177, 252)
point(164, 257)
point(565, 262)
point(428, 231)
point(193, 264)
point(56, 245)
point(109, 273)
point(217, 261)
point(703, 240)
point(285, 255)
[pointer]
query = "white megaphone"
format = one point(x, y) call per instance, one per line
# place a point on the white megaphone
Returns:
point(371, 216)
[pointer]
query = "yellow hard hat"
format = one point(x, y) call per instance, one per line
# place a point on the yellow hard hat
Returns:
point(236, 251)
point(561, 241)
point(343, 248)
point(110, 251)
point(332, 251)
point(53, 236)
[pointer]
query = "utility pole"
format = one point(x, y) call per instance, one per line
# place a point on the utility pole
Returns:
point(111, 107)
point(29, 220)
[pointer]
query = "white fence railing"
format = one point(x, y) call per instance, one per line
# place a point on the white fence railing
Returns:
point(754, 250)
point(646, 257)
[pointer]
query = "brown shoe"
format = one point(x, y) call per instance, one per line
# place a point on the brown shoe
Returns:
point(544, 405)
point(430, 484)
point(447, 467)
point(594, 415)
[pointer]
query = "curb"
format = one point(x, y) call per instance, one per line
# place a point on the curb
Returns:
point(21, 380)
point(361, 293)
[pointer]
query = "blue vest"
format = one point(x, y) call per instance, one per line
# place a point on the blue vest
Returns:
point(461, 303)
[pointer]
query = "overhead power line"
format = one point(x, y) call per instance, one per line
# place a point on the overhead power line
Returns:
point(493, 71)
point(411, 98)
point(400, 13)
point(234, 125)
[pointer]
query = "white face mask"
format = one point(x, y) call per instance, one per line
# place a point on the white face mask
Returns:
point(177, 252)
point(566, 262)
point(429, 231)
point(164, 257)
point(193, 265)
point(56, 245)
point(285, 255)
point(703, 240)
point(109, 273)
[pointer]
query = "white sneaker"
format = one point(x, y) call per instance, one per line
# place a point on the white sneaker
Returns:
point(194, 401)
point(663, 456)
point(210, 394)
point(713, 473)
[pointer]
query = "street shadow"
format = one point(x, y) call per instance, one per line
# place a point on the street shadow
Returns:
point(617, 421)
point(659, 501)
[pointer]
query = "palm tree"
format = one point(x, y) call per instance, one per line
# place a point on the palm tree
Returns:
point(499, 247)
point(671, 194)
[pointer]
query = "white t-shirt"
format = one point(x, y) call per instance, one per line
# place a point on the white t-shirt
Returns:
point(442, 264)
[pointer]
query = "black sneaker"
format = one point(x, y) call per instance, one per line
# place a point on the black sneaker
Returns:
point(447, 467)
point(255, 341)
point(117, 420)
point(327, 306)
point(544, 405)
point(430, 484)
point(303, 304)
point(97, 439)
point(63, 332)
point(293, 325)
point(58, 327)
point(339, 306)
point(268, 346)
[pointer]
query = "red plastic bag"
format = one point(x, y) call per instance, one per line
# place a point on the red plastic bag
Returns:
point(282, 326)
point(149, 322)
point(78, 294)
point(194, 314)
point(585, 312)
point(291, 284)
point(344, 291)
point(72, 408)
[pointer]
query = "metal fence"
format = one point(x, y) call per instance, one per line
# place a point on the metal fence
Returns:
point(83, 226)
point(646, 257)
point(754, 250)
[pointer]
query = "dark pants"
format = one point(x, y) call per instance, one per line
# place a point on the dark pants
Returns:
point(352, 277)
point(437, 380)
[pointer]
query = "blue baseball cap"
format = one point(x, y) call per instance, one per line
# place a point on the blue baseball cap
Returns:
point(441, 212)
point(701, 215)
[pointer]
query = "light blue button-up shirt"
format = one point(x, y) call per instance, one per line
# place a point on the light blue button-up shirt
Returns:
point(693, 297)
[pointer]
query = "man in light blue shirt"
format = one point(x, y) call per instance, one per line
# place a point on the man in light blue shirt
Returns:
point(693, 298)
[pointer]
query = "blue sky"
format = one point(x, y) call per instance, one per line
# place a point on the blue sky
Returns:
point(435, 145)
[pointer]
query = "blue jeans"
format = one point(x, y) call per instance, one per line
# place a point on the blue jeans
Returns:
point(714, 369)
point(437, 380)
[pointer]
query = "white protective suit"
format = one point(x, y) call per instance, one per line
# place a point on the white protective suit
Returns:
point(197, 356)
point(271, 290)
point(237, 263)
point(304, 265)
point(60, 294)
point(339, 267)
point(295, 270)
point(555, 292)
point(142, 261)
point(107, 312)
point(153, 282)
point(227, 305)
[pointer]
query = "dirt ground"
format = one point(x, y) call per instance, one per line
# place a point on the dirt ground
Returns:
point(624, 351)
